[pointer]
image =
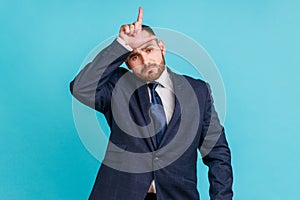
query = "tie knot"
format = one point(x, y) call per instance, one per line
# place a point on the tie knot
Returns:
point(152, 86)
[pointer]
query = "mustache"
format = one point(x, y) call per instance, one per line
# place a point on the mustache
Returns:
point(147, 66)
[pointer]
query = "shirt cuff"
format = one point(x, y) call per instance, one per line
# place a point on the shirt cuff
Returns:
point(123, 43)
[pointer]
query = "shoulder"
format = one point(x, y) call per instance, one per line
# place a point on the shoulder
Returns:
point(201, 87)
point(197, 84)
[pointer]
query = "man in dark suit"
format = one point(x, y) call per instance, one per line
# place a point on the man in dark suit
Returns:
point(158, 121)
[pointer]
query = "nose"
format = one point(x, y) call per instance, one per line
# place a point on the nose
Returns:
point(145, 58)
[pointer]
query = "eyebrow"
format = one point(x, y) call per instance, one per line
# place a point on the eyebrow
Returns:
point(147, 46)
point(136, 53)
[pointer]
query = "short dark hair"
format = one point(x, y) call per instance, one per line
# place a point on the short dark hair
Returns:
point(148, 29)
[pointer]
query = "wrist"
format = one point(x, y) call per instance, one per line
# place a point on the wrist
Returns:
point(123, 43)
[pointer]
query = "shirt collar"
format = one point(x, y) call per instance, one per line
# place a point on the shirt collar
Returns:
point(165, 80)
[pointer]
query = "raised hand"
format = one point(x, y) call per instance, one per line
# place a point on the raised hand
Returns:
point(133, 35)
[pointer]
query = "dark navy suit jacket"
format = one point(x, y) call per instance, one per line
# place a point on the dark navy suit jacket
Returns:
point(133, 161)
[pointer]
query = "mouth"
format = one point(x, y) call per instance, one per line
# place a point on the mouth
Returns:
point(149, 68)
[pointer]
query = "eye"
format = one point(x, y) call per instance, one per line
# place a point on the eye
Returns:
point(148, 50)
point(134, 58)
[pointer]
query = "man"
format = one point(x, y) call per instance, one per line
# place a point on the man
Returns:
point(158, 120)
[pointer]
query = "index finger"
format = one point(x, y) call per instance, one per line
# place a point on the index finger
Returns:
point(140, 16)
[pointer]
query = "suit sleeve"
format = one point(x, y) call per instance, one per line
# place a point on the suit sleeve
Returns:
point(216, 154)
point(94, 83)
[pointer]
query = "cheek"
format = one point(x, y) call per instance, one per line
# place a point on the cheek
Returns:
point(160, 57)
point(136, 70)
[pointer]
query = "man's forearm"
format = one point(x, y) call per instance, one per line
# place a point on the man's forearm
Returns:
point(220, 170)
point(216, 154)
point(97, 72)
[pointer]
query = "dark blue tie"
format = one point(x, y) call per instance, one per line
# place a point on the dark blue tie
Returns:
point(157, 113)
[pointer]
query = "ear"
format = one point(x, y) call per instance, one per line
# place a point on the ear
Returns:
point(162, 47)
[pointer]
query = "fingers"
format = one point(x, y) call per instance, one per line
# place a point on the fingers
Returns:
point(139, 22)
point(140, 15)
point(129, 29)
point(137, 27)
point(132, 33)
point(126, 29)
point(133, 29)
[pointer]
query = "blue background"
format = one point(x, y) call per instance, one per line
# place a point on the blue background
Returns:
point(255, 45)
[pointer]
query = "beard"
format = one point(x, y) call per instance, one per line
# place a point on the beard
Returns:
point(151, 71)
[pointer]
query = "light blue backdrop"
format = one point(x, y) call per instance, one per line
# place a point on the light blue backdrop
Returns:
point(255, 45)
